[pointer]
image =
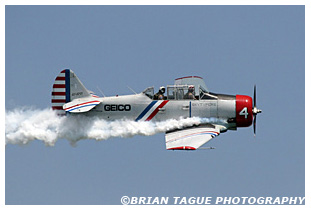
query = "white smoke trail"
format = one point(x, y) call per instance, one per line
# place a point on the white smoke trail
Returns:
point(25, 125)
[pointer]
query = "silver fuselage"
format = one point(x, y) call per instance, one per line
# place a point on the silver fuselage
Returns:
point(140, 107)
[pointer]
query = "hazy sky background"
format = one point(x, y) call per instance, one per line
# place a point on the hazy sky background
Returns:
point(112, 47)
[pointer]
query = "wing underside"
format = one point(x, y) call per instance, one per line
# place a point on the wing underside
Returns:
point(190, 138)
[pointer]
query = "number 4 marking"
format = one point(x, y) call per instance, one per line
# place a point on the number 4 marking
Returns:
point(244, 112)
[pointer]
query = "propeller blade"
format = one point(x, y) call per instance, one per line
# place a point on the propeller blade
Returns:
point(254, 95)
point(255, 111)
point(254, 125)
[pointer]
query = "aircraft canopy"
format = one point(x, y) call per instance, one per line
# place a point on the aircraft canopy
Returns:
point(198, 82)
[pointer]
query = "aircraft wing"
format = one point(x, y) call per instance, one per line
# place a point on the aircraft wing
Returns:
point(81, 104)
point(190, 138)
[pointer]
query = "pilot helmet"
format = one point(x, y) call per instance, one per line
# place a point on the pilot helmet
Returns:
point(191, 88)
point(162, 89)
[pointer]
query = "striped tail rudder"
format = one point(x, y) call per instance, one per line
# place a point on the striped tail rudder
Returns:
point(61, 91)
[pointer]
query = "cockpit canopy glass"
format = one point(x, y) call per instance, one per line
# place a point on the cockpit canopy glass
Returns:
point(149, 92)
point(180, 92)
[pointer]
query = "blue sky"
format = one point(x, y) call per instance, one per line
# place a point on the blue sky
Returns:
point(112, 47)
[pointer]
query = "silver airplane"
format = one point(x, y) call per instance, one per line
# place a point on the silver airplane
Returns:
point(188, 97)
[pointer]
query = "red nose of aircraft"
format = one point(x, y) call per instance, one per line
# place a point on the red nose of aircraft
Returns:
point(244, 113)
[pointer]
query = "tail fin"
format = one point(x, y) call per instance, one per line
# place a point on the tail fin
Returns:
point(66, 88)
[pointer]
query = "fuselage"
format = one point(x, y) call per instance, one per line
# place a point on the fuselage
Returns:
point(234, 111)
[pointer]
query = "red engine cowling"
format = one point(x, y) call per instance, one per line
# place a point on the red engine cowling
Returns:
point(244, 111)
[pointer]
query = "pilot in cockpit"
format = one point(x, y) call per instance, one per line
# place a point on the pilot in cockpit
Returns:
point(159, 95)
point(190, 93)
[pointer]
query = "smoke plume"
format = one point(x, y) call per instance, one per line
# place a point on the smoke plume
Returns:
point(25, 125)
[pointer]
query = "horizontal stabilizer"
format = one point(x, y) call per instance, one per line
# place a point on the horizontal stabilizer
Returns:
point(190, 138)
point(81, 105)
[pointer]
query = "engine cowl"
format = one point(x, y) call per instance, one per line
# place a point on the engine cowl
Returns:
point(244, 113)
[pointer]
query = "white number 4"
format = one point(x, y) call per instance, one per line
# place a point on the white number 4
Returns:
point(244, 112)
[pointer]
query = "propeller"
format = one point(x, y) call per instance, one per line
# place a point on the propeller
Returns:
point(255, 110)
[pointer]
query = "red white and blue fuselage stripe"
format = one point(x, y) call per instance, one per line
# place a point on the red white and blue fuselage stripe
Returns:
point(78, 106)
point(151, 110)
